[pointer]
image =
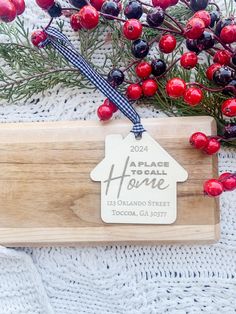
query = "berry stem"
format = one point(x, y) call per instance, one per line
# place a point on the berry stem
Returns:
point(216, 5)
point(223, 44)
point(175, 21)
point(145, 4)
point(143, 24)
point(70, 9)
point(163, 29)
point(186, 3)
point(130, 65)
point(205, 87)
point(168, 69)
point(50, 22)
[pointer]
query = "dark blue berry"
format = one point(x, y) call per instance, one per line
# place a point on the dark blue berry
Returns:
point(155, 17)
point(206, 41)
point(215, 17)
point(78, 3)
point(140, 48)
point(234, 59)
point(223, 75)
point(111, 8)
point(158, 67)
point(229, 130)
point(197, 5)
point(192, 45)
point(55, 10)
point(133, 10)
point(115, 77)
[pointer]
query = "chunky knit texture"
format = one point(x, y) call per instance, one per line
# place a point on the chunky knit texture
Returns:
point(115, 279)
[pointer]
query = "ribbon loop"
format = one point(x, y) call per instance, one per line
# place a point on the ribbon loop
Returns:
point(62, 44)
point(138, 129)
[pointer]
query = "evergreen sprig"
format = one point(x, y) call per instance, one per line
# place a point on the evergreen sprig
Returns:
point(26, 70)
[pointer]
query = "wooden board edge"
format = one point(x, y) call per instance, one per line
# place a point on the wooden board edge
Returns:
point(188, 234)
point(16, 132)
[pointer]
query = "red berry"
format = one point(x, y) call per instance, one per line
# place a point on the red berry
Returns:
point(173, 2)
point(97, 4)
point(19, 5)
point(75, 22)
point(104, 112)
point(167, 43)
point(212, 147)
point(7, 11)
point(88, 17)
point(143, 69)
point(188, 60)
point(228, 180)
point(193, 96)
point(199, 140)
point(38, 36)
point(134, 91)
point(211, 70)
point(213, 187)
point(132, 29)
point(109, 103)
point(194, 28)
point(45, 4)
point(162, 3)
point(149, 87)
point(228, 107)
point(205, 16)
point(228, 34)
point(175, 87)
point(222, 56)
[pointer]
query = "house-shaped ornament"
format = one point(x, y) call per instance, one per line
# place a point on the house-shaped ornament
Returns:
point(138, 181)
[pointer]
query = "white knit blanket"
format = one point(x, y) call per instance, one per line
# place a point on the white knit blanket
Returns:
point(115, 279)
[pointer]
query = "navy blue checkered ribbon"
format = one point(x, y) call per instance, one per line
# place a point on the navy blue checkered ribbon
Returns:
point(62, 44)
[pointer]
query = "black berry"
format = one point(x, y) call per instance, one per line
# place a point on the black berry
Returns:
point(115, 77)
point(206, 41)
point(55, 10)
point(221, 24)
point(215, 17)
point(229, 130)
point(223, 75)
point(158, 67)
point(155, 17)
point(230, 88)
point(111, 8)
point(197, 5)
point(133, 10)
point(78, 3)
point(234, 59)
point(192, 45)
point(140, 48)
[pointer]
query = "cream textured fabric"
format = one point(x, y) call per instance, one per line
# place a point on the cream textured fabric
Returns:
point(119, 279)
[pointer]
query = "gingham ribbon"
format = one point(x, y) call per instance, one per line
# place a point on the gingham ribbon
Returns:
point(62, 44)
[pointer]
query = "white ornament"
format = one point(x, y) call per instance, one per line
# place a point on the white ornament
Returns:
point(138, 181)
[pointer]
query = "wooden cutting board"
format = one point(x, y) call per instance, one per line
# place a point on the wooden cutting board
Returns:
point(48, 198)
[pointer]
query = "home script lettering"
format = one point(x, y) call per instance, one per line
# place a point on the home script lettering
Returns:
point(126, 179)
point(138, 181)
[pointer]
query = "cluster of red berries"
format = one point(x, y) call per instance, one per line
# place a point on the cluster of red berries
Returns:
point(10, 9)
point(199, 33)
point(106, 110)
point(215, 187)
point(208, 144)
point(177, 87)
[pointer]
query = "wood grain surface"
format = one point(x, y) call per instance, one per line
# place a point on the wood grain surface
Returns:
point(47, 196)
